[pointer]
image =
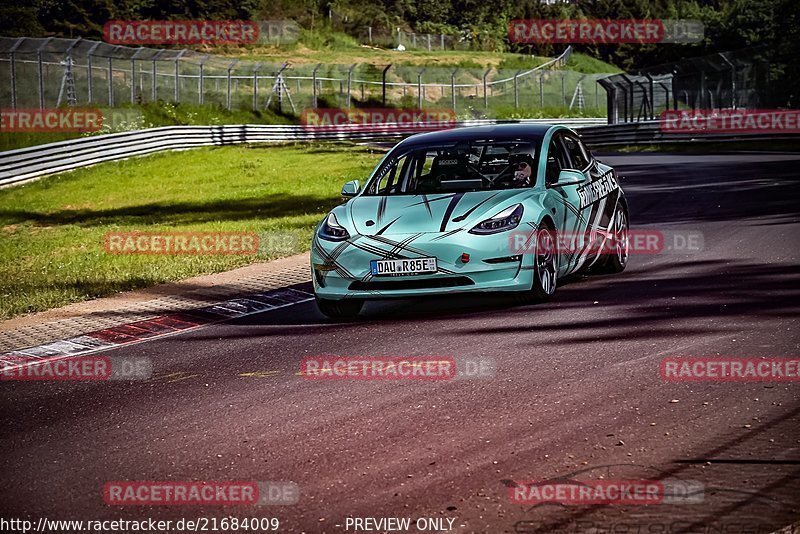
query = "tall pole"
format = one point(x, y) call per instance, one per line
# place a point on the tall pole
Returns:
point(389, 66)
point(314, 85)
point(419, 88)
point(485, 96)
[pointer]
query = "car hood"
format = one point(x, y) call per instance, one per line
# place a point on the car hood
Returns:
point(441, 212)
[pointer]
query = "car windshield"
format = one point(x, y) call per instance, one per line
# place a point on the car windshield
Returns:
point(466, 166)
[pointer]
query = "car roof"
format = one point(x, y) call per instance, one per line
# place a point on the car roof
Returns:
point(470, 133)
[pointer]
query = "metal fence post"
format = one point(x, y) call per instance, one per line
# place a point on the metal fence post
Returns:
point(13, 65)
point(89, 86)
point(383, 83)
point(133, 75)
point(441, 36)
point(41, 71)
point(110, 82)
point(485, 96)
point(314, 85)
point(419, 88)
point(541, 90)
point(516, 89)
point(228, 92)
point(200, 96)
point(349, 79)
point(177, 96)
point(453, 88)
point(563, 89)
point(256, 68)
point(429, 42)
point(154, 90)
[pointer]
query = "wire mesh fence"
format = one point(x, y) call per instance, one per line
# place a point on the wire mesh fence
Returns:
point(727, 80)
point(52, 72)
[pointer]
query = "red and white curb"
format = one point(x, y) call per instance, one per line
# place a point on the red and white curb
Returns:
point(157, 327)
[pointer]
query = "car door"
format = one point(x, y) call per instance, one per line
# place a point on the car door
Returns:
point(564, 206)
point(598, 197)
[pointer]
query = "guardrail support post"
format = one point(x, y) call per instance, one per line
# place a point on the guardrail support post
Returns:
point(516, 89)
point(383, 83)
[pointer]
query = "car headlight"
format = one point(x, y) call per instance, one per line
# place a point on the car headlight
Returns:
point(508, 219)
point(332, 230)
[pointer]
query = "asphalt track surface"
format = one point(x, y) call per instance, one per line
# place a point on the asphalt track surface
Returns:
point(577, 389)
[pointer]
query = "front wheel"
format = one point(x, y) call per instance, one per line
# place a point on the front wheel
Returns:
point(339, 309)
point(545, 266)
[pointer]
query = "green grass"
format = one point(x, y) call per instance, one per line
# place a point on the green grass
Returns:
point(588, 65)
point(52, 230)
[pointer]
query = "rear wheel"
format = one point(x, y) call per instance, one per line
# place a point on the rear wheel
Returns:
point(617, 249)
point(545, 266)
point(340, 309)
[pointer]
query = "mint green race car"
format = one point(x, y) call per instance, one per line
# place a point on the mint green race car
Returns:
point(494, 208)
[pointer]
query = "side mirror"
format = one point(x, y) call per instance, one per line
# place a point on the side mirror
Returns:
point(351, 188)
point(570, 177)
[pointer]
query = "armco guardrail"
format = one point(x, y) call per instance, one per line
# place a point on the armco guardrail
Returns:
point(17, 166)
point(23, 164)
point(650, 133)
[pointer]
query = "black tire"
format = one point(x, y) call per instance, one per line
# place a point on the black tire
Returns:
point(340, 309)
point(545, 267)
point(617, 250)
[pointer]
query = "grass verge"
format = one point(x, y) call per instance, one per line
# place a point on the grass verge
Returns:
point(52, 230)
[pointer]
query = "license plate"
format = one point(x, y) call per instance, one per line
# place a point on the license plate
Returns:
point(403, 267)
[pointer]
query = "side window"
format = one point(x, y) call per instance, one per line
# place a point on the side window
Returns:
point(392, 175)
point(578, 158)
point(555, 161)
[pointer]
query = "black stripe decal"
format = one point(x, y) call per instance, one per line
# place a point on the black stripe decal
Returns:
point(449, 211)
point(473, 208)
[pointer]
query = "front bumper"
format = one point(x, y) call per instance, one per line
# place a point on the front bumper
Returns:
point(342, 269)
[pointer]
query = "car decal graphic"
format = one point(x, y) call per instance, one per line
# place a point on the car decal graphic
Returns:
point(427, 201)
point(329, 262)
point(447, 234)
point(473, 208)
point(427, 204)
point(597, 189)
point(450, 208)
point(382, 230)
point(381, 209)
